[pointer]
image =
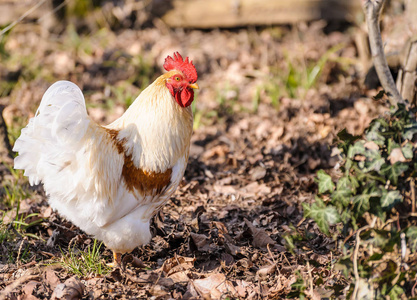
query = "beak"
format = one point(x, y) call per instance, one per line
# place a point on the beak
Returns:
point(194, 86)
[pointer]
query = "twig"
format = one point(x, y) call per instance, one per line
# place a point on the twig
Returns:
point(413, 195)
point(403, 246)
point(28, 12)
point(54, 10)
point(57, 225)
point(310, 279)
point(272, 257)
point(372, 12)
point(413, 294)
point(20, 251)
point(29, 264)
point(270, 254)
point(355, 258)
point(18, 283)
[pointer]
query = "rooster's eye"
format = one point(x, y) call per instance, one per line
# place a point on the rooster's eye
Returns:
point(177, 78)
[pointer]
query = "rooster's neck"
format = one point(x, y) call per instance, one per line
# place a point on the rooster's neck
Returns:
point(156, 131)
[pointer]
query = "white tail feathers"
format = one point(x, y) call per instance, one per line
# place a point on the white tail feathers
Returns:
point(48, 142)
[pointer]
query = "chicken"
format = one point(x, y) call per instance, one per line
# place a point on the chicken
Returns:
point(110, 180)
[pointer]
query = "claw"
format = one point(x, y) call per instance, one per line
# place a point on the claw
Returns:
point(117, 260)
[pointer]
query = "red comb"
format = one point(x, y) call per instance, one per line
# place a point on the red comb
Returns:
point(185, 66)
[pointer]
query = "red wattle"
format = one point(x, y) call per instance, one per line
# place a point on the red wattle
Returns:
point(187, 97)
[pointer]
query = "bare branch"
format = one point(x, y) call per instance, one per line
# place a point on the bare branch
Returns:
point(372, 11)
point(5, 148)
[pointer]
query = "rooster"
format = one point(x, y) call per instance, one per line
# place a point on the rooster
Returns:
point(110, 180)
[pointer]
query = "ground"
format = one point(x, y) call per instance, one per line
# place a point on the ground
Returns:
point(271, 102)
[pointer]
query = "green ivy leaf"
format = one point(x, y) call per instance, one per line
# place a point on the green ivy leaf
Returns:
point(374, 160)
point(394, 171)
point(376, 207)
point(345, 216)
point(362, 202)
point(408, 151)
point(391, 198)
point(380, 95)
point(348, 165)
point(374, 132)
point(410, 130)
point(322, 214)
point(398, 125)
point(412, 238)
point(346, 138)
point(325, 182)
point(376, 256)
point(395, 292)
point(378, 240)
point(343, 191)
point(342, 196)
point(355, 183)
point(392, 145)
point(326, 217)
point(357, 148)
point(344, 183)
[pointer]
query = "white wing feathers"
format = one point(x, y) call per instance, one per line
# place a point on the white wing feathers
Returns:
point(62, 148)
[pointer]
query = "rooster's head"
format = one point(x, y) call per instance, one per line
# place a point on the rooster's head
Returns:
point(182, 79)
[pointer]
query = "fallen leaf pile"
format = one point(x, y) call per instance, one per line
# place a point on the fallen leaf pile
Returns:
point(235, 227)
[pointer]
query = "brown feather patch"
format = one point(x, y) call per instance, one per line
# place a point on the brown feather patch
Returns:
point(136, 178)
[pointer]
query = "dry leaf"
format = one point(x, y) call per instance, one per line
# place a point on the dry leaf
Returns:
point(254, 188)
point(136, 262)
point(396, 156)
point(371, 145)
point(181, 276)
point(242, 287)
point(263, 129)
point(260, 238)
point(201, 241)
point(325, 131)
point(361, 107)
point(47, 212)
point(267, 270)
point(71, 289)
point(158, 291)
point(178, 263)
point(51, 278)
point(214, 286)
point(224, 189)
point(216, 152)
point(257, 173)
point(29, 287)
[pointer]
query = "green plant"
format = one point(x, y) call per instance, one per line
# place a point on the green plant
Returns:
point(123, 94)
point(85, 263)
point(198, 114)
point(14, 189)
point(227, 99)
point(305, 77)
point(373, 198)
point(21, 224)
point(4, 231)
point(298, 288)
point(296, 78)
point(14, 193)
point(4, 54)
point(17, 229)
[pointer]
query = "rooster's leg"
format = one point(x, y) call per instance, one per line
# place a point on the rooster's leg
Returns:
point(117, 259)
